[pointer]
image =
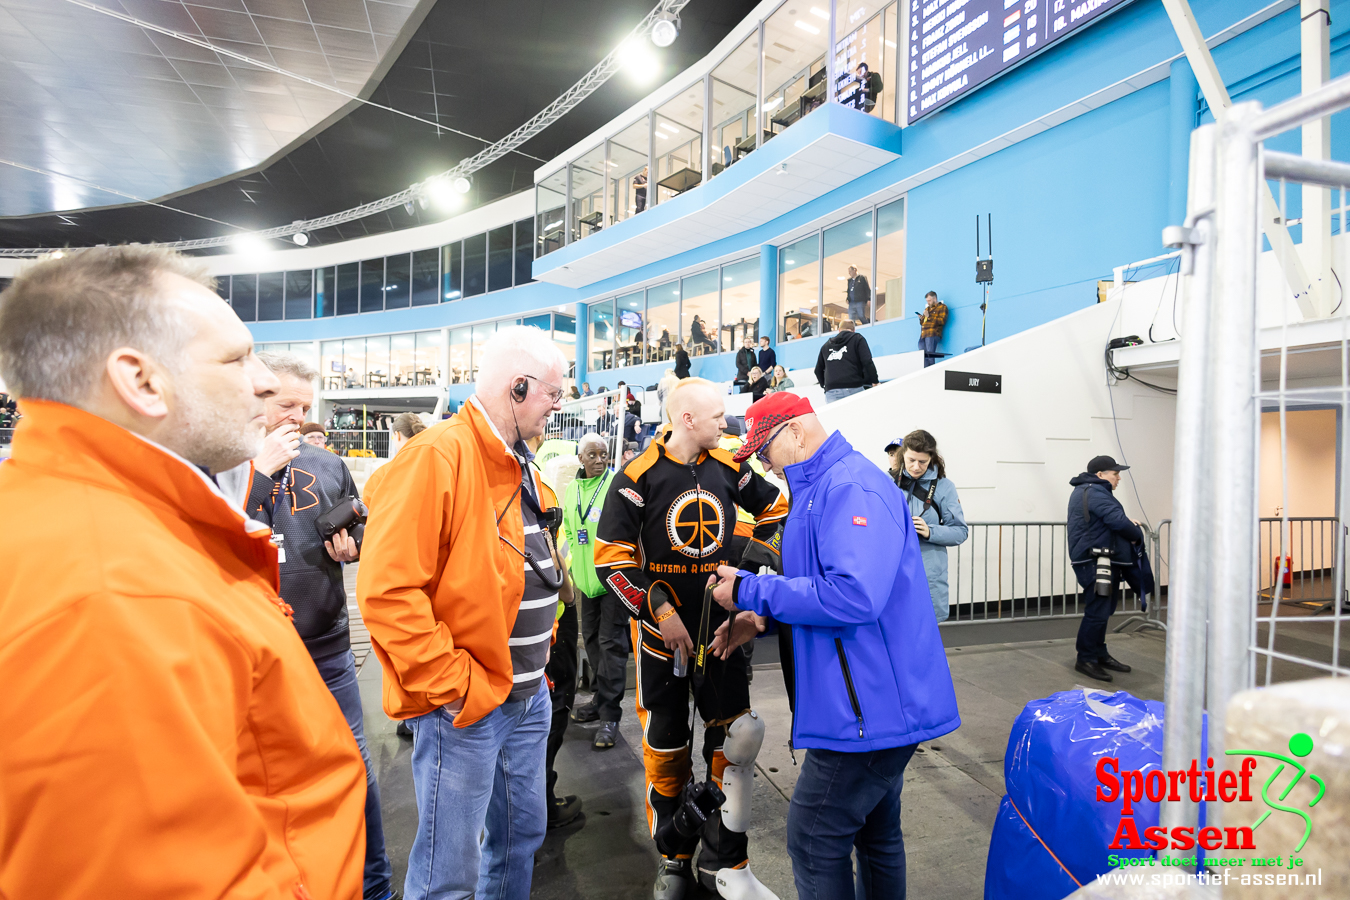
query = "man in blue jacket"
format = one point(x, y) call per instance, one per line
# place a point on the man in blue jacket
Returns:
point(868, 675)
point(1097, 521)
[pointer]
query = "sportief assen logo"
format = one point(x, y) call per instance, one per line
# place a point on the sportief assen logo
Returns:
point(1132, 786)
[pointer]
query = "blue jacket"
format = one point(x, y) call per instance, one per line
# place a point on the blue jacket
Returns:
point(946, 528)
point(869, 668)
point(1105, 525)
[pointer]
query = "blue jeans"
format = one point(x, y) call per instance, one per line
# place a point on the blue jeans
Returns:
point(929, 347)
point(484, 779)
point(339, 673)
point(845, 802)
point(841, 393)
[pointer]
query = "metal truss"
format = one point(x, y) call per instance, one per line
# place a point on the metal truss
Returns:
point(592, 80)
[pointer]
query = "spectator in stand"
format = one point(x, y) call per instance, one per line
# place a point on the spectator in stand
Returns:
point(293, 484)
point(767, 358)
point(663, 388)
point(312, 433)
point(934, 506)
point(698, 337)
point(757, 383)
point(461, 623)
point(781, 381)
point(859, 295)
point(586, 389)
point(844, 366)
point(745, 361)
point(630, 450)
point(932, 322)
point(681, 362)
point(573, 393)
point(164, 733)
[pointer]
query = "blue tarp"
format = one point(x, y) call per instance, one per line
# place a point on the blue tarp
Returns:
point(1051, 829)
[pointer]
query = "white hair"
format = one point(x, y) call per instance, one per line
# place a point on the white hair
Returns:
point(517, 350)
point(288, 364)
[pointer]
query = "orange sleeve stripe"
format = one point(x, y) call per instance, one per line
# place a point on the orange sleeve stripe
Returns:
point(613, 555)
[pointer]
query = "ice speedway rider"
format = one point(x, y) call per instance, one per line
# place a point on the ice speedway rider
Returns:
point(665, 528)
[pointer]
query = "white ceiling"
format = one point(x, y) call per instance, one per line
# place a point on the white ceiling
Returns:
point(818, 168)
point(113, 104)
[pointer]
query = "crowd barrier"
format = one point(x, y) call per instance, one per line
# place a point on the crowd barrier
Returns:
point(372, 442)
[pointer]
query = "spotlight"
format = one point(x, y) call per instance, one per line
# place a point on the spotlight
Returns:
point(461, 185)
point(249, 245)
point(408, 207)
point(666, 29)
point(300, 238)
point(440, 192)
point(636, 58)
point(422, 200)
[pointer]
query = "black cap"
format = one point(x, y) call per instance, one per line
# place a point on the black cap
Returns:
point(1104, 464)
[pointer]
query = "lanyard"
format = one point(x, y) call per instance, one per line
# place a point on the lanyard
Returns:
point(604, 480)
point(281, 488)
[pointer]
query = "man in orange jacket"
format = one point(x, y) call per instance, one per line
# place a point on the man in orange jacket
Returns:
point(164, 733)
point(459, 590)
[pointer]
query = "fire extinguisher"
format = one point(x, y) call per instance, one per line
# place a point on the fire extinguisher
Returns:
point(1283, 571)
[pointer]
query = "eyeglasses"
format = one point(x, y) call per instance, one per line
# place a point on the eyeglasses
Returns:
point(763, 452)
point(555, 393)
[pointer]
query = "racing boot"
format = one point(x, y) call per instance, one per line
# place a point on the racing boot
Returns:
point(673, 879)
point(741, 884)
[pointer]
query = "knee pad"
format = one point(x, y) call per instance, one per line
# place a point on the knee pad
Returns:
point(741, 884)
point(744, 738)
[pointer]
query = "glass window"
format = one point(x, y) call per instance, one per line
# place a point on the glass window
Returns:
point(452, 271)
point(848, 271)
point(679, 143)
point(629, 331)
point(244, 296)
point(740, 302)
point(860, 58)
point(550, 196)
point(698, 314)
point(377, 361)
point(500, 251)
point(565, 336)
point(348, 289)
point(628, 170)
point(325, 292)
point(271, 305)
point(372, 285)
point(398, 281)
point(475, 265)
point(733, 109)
point(460, 350)
point(890, 300)
point(428, 361)
point(304, 350)
point(601, 339)
point(300, 294)
point(426, 272)
point(524, 250)
point(331, 367)
point(663, 314)
point(354, 362)
point(588, 193)
point(795, 42)
point(402, 359)
point(481, 333)
point(799, 288)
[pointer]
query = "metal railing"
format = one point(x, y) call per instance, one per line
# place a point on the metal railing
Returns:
point(1020, 571)
point(6, 435)
point(602, 413)
point(343, 441)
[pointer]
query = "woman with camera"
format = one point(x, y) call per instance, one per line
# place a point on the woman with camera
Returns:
point(919, 471)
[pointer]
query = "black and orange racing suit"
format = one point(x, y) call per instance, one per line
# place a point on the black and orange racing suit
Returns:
point(666, 526)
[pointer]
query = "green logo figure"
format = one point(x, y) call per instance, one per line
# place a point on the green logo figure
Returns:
point(1300, 745)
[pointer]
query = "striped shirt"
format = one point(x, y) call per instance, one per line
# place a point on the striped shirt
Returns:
point(533, 628)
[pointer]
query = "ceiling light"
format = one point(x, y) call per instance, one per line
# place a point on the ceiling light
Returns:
point(772, 104)
point(452, 295)
point(408, 207)
point(300, 238)
point(666, 29)
point(804, 26)
point(58, 254)
point(441, 193)
point(668, 127)
point(820, 13)
point(249, 245)
point(638, 60)
point(462, 184)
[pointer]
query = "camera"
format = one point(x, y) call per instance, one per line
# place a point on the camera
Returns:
point(1103, 555)
point(698, 802)
point(349, 513)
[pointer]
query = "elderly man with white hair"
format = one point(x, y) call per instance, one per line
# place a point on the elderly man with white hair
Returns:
point(459, 589)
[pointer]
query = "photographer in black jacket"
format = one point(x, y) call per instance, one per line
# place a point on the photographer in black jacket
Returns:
point(293, 484)
point(1097, 522)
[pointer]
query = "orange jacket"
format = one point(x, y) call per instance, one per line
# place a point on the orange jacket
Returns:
point(163, 732)
point(438, 590)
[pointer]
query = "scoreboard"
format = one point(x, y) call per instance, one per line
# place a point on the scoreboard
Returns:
point(957, 45)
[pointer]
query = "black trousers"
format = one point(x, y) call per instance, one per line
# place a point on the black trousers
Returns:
point(720, 695)
point(562, 672)
point(604, 631)
point(1097, 612)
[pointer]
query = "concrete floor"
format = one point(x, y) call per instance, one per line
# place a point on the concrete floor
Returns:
point(952, 787)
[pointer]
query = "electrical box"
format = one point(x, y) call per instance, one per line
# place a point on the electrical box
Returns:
point(984, 271)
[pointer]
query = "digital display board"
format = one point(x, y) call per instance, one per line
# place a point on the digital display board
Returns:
point(957, 45)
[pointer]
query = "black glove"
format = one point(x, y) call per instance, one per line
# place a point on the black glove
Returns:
point(759, 554)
